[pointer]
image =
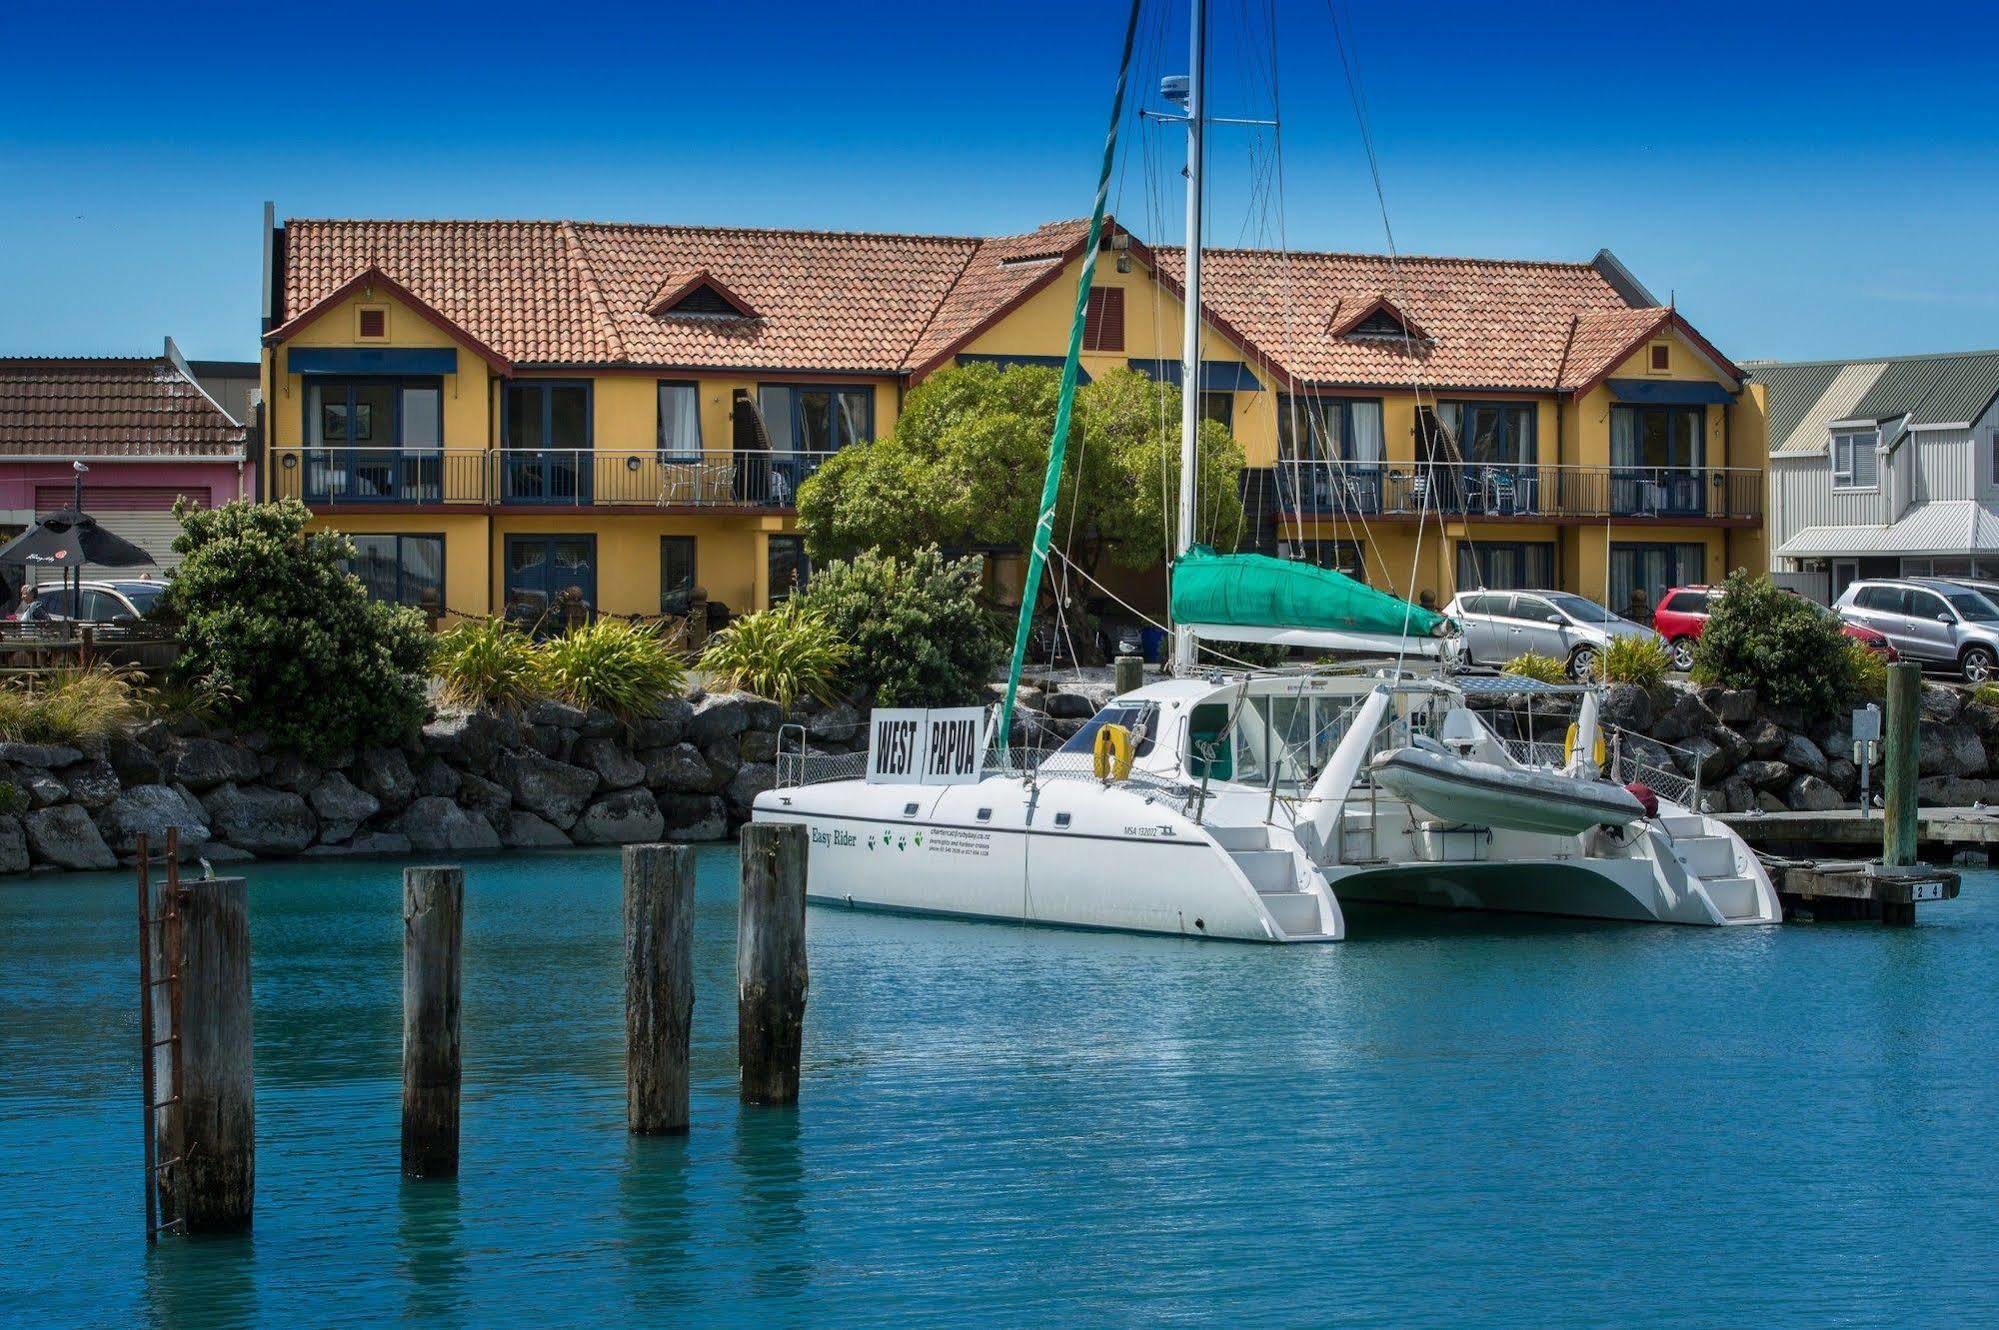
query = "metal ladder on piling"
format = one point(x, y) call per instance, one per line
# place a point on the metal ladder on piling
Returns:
point(161, 995)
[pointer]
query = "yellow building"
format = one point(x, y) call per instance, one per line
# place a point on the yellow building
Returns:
point(505, 413)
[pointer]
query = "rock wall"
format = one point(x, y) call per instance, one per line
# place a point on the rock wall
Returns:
point(470, 782)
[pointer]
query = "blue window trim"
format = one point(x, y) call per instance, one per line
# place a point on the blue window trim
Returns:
point(1311, 490)
point(683, 455)
point(401, 538)
point(1481, 551)
point(797, 415)
point(547, 540)
point(543, 468)
point(1661, 490)
point(325, 461)
point(796, 543)
point(1529, 456)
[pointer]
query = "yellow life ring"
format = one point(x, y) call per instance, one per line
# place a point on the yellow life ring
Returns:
point(1113, 752)
point(1569, 745)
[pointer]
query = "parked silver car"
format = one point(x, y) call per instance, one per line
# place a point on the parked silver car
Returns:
point(1499, 625)
point(1935, 622)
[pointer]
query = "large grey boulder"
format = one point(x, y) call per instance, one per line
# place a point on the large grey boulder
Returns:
point(757, 746)
point(434, 822)
point(39, 755)
point(1735, 706)
point(1765, 739)
point(42, 789)
point(261, 820)
point(1949, 750)
point(488, 799)
point(135, 763)
point(1940, 703)
point(1733, 795)
point(66, 837)
point(1802, 753)
point(610, 760)
point(92, 783)
point(342, 806)
point(1684, 718)
point(724, 758)
point(548, 712)
point(380, 842)
point(1703, 756)
point(1628, 707)
point(667, 727)
point(554, 790)
point(202, 764)
point(526, 831)
point(680, 769)
point(752, 780)
point(1950, 791)
point(625, 817)
point(435, 776)
point(152, 810)
point(1763, 774)
point(1070, 706)
point(598, 724)
point(695, 817)
point(13, 846)
point(761, 713)
point(469, 739)
point(1809, 794)
point(718, 716)
point(385, 773)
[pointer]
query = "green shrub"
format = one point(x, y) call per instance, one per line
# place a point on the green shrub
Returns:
point(1986, 694)
point(203, 701)
point(70, 706)
point(783, 654)
point(919, 635)
point(486, 663)
point(628, 669)
point(1542, 669)
point(266, 611)
point(1787, 648)
point(1870, 675)
point(1640, 660)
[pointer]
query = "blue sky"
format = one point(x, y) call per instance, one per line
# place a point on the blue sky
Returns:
point(1808, 180)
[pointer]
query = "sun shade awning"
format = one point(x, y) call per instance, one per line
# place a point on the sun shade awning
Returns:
point(1669, 392)
point(1217, 376)
point(372, 360)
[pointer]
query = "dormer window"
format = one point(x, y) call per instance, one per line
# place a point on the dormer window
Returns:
point(698, 294)
point(1855, 464)
point(1379, 324)
point(1377, 320)
point(371, 323)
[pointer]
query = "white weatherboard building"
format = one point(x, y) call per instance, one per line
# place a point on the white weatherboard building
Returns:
point(1883, 468)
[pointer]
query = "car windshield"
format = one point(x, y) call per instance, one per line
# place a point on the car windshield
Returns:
point(1973, 607)
point(1582, 611)
point(143, 595)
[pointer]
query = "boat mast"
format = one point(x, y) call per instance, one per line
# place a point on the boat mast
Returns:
point(1190, 337)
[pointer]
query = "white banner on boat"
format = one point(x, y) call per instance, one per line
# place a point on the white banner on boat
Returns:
point(914, 746)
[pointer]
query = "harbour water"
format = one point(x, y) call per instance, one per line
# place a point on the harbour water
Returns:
point(1445, 1120)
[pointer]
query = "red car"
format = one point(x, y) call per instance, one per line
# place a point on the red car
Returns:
point(1683, 612)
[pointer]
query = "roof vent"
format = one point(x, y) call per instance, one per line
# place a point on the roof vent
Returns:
point(1379, 320)
point(698, 293)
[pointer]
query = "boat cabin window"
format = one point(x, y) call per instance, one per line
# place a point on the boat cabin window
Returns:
point(1239, 741)
point(1142, 719)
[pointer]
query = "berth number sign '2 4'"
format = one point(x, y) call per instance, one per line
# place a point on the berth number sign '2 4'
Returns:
point(915, 746)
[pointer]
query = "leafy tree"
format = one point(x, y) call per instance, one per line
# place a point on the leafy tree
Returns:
point(918, 633)
point(270, 620)
point(1787, 648)
point(963, 468)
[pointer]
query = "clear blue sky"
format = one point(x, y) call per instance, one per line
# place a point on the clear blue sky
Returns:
point(1811, 180)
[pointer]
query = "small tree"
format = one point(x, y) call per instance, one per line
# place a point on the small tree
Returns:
point(920, 637)
point(1787, 648)
point(267, 614)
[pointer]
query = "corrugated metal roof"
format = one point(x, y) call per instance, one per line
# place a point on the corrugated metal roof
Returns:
point(1790, 391)
point(1951, 526)
point(1838, 400)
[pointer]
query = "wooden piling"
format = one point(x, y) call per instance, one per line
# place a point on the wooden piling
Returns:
point(1128, 674)
point(1899, 771)
point(207, 1135)
point(770, 962)
point(659, 985)
point(433, 928)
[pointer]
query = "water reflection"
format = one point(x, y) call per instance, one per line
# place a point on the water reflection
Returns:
point(770, 1170)
point(656, 1210)
point(430, 1247)
point(205, 1281)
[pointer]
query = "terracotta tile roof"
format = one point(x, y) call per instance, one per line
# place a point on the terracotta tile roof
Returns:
point(576, 293)
point(109, 408)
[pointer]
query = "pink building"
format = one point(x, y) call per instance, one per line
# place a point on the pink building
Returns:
point(145, 429)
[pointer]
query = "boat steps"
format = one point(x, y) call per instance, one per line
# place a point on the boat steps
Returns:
point(1255, 836)
point(1683, 824)
point(1706, 856)
point(1296, 912)
point(1267, 870)
point(1734, 896)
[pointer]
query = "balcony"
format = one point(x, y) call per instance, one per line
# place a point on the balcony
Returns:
point(352, 478)
point(1532, 491)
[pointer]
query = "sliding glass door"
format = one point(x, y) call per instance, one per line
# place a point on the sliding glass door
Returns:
point(374, 440)
point(1656, 459)
point(545, 442)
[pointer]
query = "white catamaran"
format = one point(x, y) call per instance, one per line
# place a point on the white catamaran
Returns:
point(1249, 807)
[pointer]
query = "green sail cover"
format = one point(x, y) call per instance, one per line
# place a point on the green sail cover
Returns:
point(1255, 591)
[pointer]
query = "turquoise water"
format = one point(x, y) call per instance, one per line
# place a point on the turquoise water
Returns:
point(1445, 1120)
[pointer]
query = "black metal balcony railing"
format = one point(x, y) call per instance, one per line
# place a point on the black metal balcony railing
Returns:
point(528, 477)
point(1519, 490)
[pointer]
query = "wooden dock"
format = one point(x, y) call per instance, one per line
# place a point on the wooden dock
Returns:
point(1942, 834)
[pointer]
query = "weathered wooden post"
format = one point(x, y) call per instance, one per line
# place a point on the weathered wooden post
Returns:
point(207, 1134)
point(1128, 674)
point(770, 962)
point(659, 985)
point(1899, 770)
point(433, 918)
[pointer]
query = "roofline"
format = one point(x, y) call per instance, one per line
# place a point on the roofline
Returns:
point(1753, 365)
point(1623, 280)
point(367, 277)
point(11, 458)
point(1064, 257)
point(180, 365)
point(1667, 318)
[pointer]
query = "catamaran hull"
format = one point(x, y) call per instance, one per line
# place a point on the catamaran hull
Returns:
point(1618, 890)
point(1118, 862)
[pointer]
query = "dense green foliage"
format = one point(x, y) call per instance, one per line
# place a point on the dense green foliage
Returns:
point(963, 470)
point(783, 653)
point(69, 706)
point(269, 619)
point(486, 663)
point(628, 669)
point(1870, 673)
point(1540, 668)
point(920, 636)
point(1640, 660)
point(1788, 649)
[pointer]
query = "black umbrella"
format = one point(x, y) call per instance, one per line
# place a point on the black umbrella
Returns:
point(68, 540)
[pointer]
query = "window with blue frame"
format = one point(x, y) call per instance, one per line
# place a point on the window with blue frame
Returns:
point(551, 580)
point(1480, 457)
point(1330, 452)
point(679, 422)
point(545, 442)
point(401, 569)
point(376, 440)
point(806, 423)
point(1656, 459)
